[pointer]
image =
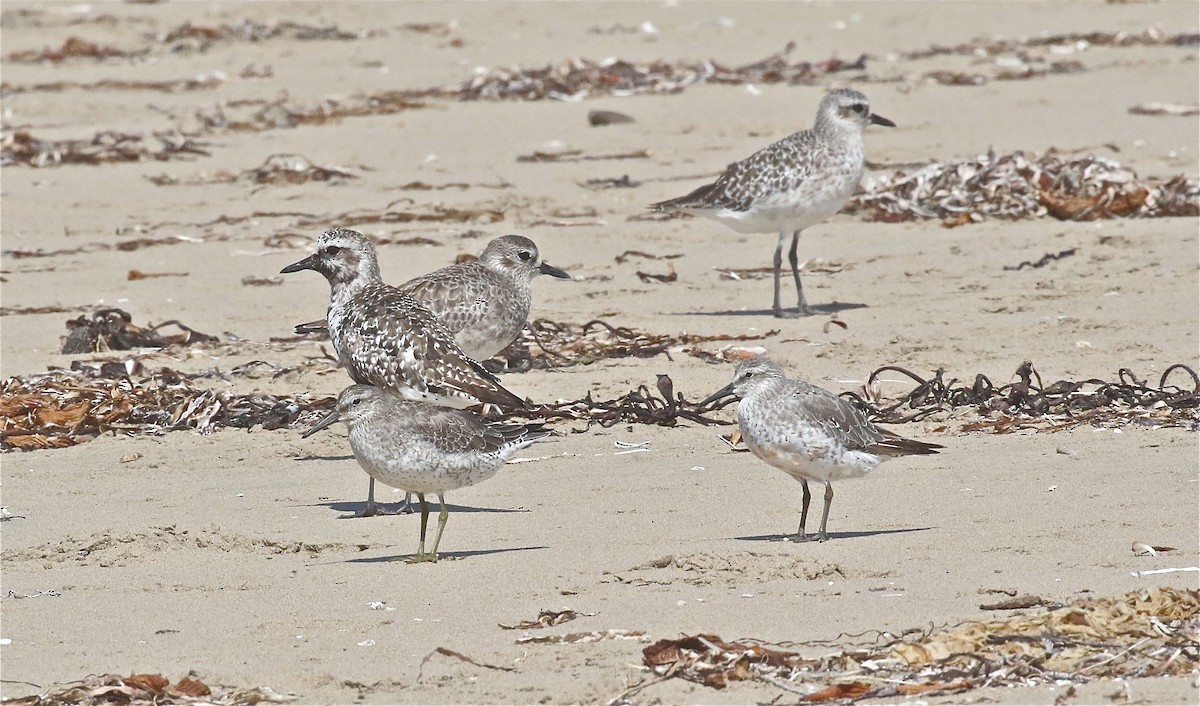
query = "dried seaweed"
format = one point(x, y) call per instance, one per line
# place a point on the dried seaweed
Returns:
point(1041, 261)
point(558, 344)
point(275, 170)
point(1140, 634)
point(199, 83)
point(1021, 185)
point(22, 148)
point(575, 79)
point(1028, 404)
point(114, 330)
point(188, 36)
point(992, 46)
point(67, 407)
point(545, 619)
point(147, 690)
point(71, 48)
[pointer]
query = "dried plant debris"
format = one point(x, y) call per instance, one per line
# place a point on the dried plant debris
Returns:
point(1070, 41)
point(1029, 404)
point(557, 344)
point(1022, 185)
point(199, 83)
point(22, 148)
point(114, 330)
point(67, 407)
point(575, 79)
point(278, 169)
point(190, 37)
point(71, 48)
point(545, 619)
point(1140, 634)
point(147, 690)
point(259, 115)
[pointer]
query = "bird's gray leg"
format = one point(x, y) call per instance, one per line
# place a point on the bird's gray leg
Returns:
point(371, 508)
point(421, 555)
point(801, 536)
point(442, 517)
point(778, 310)
point(823, 535)
point(801, 305)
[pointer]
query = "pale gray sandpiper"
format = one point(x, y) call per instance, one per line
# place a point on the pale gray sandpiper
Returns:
point(809, 433)
point(485, 303)
point(383, 337)
point(792, 184)
point(424, 448)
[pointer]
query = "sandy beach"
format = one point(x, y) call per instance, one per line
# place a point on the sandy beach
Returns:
point(234, 555)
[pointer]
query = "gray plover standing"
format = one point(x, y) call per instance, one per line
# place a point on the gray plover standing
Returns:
point(809, 433)
point(424, 448)
point(383, 337)
point(485, 302)
point(792, 184)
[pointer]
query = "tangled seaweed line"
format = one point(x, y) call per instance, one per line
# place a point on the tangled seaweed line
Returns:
point(638, 406)
point(67, 407)
point(1027, 403)
point(576, 79)
point(148, 690)
point(559, 344)
point(1022, 185)
point(1154, 632)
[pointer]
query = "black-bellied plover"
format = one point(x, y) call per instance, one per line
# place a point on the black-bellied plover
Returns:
point(424, 448)
point(485, 302)
point(383, 337)
point(809, 433)
point(792, 184)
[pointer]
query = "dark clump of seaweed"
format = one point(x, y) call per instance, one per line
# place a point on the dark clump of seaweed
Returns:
point(1027, 403)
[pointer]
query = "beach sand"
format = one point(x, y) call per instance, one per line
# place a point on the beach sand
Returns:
point(235, 555)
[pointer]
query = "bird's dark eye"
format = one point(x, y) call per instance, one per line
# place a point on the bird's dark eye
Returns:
point(748, 374)
point(525, 255)
point(356, 400)
point(859, 108)
point(332, 250)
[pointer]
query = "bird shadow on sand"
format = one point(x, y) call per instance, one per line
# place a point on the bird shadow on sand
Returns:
point(351, 508)
point(442, 556)
point(832, 535)
point(818, 310)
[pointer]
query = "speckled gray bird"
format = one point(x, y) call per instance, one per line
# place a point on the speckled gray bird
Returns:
point(792, 184)
point(424, 448)
point(384, 337)
point(485, 302)
point(808, 432)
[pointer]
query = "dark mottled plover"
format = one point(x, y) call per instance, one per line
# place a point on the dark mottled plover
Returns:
point(484, 303)
point(793, 184)
point(385, 338)
point(809, 433)
point(424, 448)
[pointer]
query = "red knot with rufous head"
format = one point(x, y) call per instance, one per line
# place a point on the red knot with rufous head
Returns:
point(808, 432)
point(424, 448)
point(792, 184)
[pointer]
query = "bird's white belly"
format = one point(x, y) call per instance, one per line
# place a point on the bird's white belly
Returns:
point(421, 469)
point(812, 202)
point(805, 452)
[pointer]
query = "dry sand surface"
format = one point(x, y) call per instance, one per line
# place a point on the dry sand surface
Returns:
point(234, 554)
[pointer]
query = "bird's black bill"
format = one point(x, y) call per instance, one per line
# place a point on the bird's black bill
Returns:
point(313, 327)
point(552, 271)
point(325, 421)
point(718, 395)
point(880, 120)
point(305, 264)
